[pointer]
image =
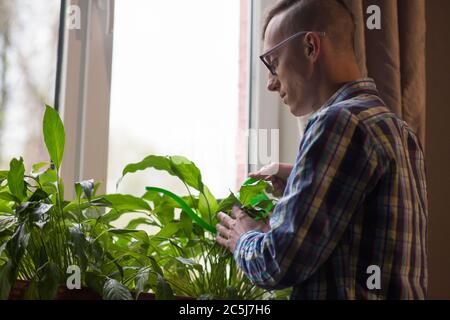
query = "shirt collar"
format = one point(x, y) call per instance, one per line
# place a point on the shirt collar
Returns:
point(350, 90)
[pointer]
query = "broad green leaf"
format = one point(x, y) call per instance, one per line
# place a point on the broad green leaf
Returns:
point(6, 222)
point(134, 223)
point(38, 195)
point(141, 280)
point(187, 171)
point(7, 278)
point(79, 246)
point(54, 135)
point(163, 289)
point(169, 230)
point(127, 203)
point(36, 168)
point(114, 290)
point(5, 207)
point(48, 181)
point(186, 224)
point(15, 178)
point(73, 206)
point(152, 161)
point(207, 206)
point(186, 208)
point(227, 204)
point(34, 212)
point(8, 197)
point(249, 191)
point(18, 244)
point(178, 166)
point(190, 263)
point(136, 234)
point(49, 176)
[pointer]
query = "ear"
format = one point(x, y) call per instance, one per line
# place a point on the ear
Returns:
point(312, 44)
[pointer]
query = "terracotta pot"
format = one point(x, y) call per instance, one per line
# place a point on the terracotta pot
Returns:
point(20, 288)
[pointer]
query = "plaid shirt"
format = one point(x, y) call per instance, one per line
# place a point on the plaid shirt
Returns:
point(356, 198)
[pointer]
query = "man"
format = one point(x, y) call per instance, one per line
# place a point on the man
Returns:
point(352, 222)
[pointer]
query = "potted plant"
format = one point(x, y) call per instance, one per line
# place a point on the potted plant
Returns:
point(43, 237)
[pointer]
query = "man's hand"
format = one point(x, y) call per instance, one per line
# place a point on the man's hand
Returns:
point(277, 173)
point(232, 228)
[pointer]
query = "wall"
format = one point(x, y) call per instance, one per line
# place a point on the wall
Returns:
point(438, 147)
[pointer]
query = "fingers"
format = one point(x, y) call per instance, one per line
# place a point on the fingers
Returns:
point(225, 219)
point(237, 212)
point(222, 231)
point(222, 241)
point(257, 175)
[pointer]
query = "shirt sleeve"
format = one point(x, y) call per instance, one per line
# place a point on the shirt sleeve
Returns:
point(336, 167)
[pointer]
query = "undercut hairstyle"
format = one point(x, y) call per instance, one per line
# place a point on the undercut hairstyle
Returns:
point(331, 16)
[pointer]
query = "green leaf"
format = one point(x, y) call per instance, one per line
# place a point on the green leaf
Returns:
point(8, 197)
point(54, 135)
point(36, 168)
point(139, 235)
point(177, 166)
point(18, 243)
point(186, 208)
point(152, 161)
point(134, 223)
point(249, 191)
point(7, 278)
point(114, 290)
point(169, 230)
point(163, 289)
point(6, 222)
point(38, 195)
point(190, 263)
point(73, 206)
point(16, 175)
point(48, 180)
point(187, 171)
point(5, 207)
point(207, 205)
point(142, 282)
point(127, 203)
point(227, 204)
point(79, 246)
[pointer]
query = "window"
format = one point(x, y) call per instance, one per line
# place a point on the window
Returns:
point(28, 48)
point(176, 82)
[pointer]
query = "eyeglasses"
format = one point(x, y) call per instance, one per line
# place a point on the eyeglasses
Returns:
point(268, 63)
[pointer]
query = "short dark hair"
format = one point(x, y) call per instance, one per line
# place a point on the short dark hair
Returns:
point(332, 16)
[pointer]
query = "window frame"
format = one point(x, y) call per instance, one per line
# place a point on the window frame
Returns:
point(85, 87)
point(84, 96)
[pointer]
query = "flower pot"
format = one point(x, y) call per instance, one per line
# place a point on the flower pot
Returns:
point(18, 292)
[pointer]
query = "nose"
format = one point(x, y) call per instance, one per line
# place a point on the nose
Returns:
point(272, 83)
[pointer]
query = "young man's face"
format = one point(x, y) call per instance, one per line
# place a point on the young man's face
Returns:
point(294, 71)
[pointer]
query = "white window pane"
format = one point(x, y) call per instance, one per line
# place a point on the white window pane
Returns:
point(28, 48)
point(175, 90)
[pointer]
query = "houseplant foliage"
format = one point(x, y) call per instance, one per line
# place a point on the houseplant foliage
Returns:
point(42, 234)
point(187, 250)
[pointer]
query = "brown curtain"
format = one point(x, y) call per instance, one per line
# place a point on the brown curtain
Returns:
point(395, 56)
